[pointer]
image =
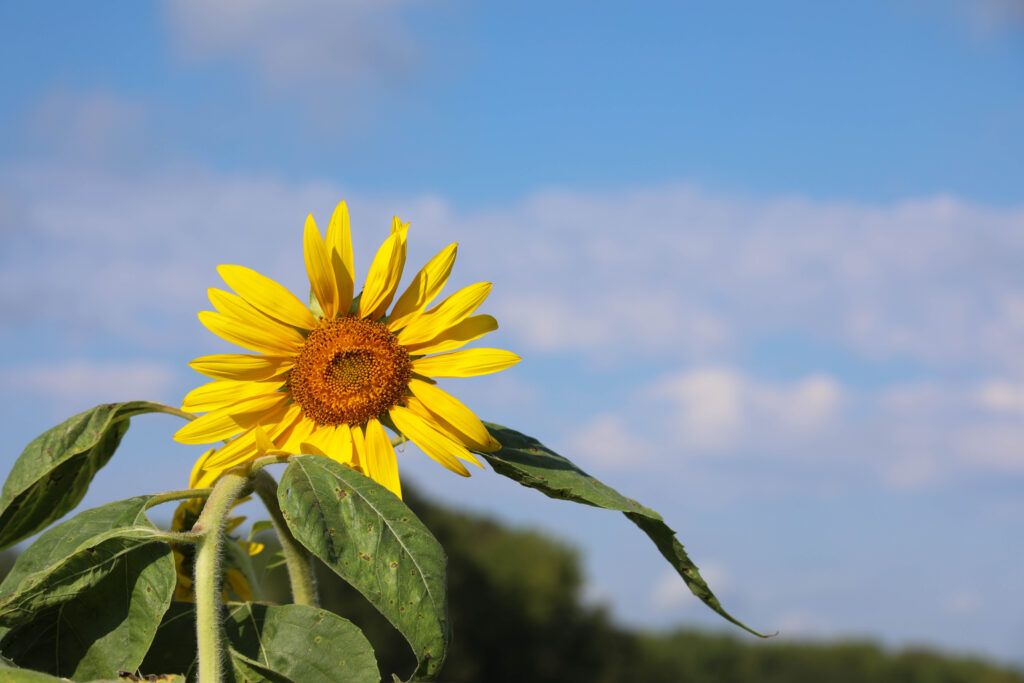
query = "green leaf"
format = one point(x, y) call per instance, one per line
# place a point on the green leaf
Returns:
point(86, 598)
point(257, 527)
point(270, 643)
point(372, 540)
point(15, 675)
point(531, 463)
point(306, 644)
point(54, 471)
point(8, 675)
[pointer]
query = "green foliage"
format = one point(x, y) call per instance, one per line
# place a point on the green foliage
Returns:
point(270, 642)
point(92, 595)
point(370, 538)
point(531, 463)
point(517, 615)
point(697, 657)
point(52, 474)
point(85, 599)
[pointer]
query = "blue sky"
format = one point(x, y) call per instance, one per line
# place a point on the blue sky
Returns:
point(762, 263)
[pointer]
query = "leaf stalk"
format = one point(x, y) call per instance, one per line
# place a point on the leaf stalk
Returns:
point(297, 558)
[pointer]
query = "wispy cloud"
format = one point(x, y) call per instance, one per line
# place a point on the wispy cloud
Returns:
point(717, 408)
point(72, 385)
point(296, 45)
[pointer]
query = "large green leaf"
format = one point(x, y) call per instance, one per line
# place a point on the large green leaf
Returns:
point(372, 540)
point(86, 598)
point(270, 643)
point(531, 463)
point(306, 644)
point(53, 472)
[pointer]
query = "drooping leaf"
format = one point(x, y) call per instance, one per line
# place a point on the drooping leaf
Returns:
point(270, 643)
point(372, 540)
point(86, 598)
point(529, 462)
point(54, 471)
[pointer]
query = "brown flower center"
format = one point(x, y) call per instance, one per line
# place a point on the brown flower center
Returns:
point(348, 371)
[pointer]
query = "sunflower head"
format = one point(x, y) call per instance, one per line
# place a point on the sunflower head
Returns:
point(332, 378)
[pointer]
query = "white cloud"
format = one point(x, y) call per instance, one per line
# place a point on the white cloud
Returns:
point(669, 273)
point(647, 321)
point(990, 18)
point(88, 126)
point(717, 408)
point(692, 281)
point(674, 270)
point(299, 44)
point(609, 440)
point(80, 384)
point(1001, 396)
point(963, 603)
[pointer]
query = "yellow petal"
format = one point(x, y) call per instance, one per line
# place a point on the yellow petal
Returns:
point(432, 442)
point(264, 444)
point(383, 465)
point(359, 456)
point(202, 477)
point(242, 366)
point(465, 363)
point(441, 425)
point(339, 245)
point(454, 412)
point(222, 392)
point(470, 329)
point(292, 439)
point(229, 420)
point(250, 443)
point(237, 450)
point(385, 272)
point(339, 447)
point(445, 315)
point(317, 442)
point(425, 286)
point(318, 267)
point(236, 307)
point(262, 339)
point(267, 296)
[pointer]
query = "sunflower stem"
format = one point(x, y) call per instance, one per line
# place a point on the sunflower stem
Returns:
point(162, 498)
point(210, 526)
point(297, 558)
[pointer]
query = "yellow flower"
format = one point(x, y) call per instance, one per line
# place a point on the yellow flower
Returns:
point(328, 378)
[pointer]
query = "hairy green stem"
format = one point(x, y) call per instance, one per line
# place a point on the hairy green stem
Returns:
point(210, 526)
point(261, 462)
point(300, 569)
point(161, 498)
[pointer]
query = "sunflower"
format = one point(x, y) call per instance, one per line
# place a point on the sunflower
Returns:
point(333, 377)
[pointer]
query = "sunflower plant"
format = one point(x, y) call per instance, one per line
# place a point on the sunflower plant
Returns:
point(327, 388)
